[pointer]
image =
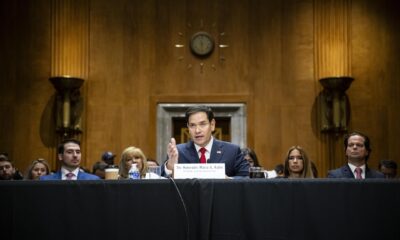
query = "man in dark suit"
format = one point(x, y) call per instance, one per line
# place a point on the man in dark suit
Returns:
point(69, 153)
point(203, 148)
point(357, 148)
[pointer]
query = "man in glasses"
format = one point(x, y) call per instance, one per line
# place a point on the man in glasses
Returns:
point(203, 147)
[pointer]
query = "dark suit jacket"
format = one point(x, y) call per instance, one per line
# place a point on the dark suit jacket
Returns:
point(221, 152)
point(345, 172)
point(81, 176)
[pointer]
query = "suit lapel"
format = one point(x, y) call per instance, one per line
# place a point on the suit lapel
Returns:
point(368, 173)
point(193, 155)
point(347, 171)
point(216, 152)
point(58, 175)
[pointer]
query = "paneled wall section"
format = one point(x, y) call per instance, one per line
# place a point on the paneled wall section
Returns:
point(126, 52)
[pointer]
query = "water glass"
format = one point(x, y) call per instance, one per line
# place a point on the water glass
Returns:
point(153, 172)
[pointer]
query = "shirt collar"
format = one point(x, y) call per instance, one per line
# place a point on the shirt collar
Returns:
point(64, 171)
point(207, 147)
point(353, 167)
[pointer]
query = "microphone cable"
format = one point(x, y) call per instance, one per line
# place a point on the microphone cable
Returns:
point(184, 207)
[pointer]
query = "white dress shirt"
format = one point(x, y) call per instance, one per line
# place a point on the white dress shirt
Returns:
point(353, 170)
point(65, 171)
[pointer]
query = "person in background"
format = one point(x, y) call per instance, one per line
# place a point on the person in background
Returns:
point(357, 149)
point(297, 164)
point(388, 168)
point(152, 163)
point(108, 158)
point(99, 169)
point(203, 148)
point(279, 170)
point(69, 154)
point(251, 157)
point(36, 169)
point(129, 156)
point(7, 169)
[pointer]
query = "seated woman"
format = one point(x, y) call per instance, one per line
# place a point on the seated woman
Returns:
point(38, 168)
point(251, 157)
point(134, 155)
point(130, 156)
point(297, 164)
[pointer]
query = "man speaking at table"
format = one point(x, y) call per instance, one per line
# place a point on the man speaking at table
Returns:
point(203, 147)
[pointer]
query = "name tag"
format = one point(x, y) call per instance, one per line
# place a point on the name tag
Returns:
point(199, 170)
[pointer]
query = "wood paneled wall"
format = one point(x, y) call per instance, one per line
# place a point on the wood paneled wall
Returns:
point(126, 51)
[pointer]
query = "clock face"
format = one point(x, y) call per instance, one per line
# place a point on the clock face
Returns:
point(202, 44)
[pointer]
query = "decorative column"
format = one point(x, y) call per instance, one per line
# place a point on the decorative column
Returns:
point(69, 62)
point(332, 64)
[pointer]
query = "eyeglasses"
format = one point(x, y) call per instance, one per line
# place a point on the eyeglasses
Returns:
point(5, 167)
point(201, 125)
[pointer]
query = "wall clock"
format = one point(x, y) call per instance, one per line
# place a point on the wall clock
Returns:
point(201, 44)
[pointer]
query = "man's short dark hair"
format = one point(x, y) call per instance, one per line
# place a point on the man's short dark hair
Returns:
point(99, 166)
point(387, 164)
point(4, 157)
point(199, 108)
point(62, 144)
point(366, 142)
point(279, 168)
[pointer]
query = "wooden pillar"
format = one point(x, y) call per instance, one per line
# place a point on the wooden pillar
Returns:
point(332, 58)
point(70, 39)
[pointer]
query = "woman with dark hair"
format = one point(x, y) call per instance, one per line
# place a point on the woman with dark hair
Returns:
point(251, 157)
point(297, 164)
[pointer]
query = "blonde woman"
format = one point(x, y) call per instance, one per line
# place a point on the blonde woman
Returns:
point(129, 156)
point(297, 164)
point(38, 168)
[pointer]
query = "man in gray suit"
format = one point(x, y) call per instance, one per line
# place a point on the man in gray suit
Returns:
point(203, 148)
point(69, 153)
point(357, 148)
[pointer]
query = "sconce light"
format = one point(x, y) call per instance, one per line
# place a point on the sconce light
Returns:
point(335, 107)
point(69, 105)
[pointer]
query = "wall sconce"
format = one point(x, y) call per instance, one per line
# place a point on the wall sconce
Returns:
point(69, 105)
point(335, 107)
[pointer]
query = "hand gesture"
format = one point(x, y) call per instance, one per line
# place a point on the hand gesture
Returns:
point(172, 154)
